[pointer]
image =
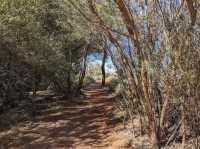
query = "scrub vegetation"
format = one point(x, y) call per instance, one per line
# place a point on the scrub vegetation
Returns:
point(149, 54)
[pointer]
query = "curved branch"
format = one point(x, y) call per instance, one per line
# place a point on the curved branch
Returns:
point(192, 10)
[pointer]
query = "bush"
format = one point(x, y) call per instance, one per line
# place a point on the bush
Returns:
point(88, 80)
point(112, 83)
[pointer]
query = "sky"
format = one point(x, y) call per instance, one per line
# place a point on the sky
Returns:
point(96, 58)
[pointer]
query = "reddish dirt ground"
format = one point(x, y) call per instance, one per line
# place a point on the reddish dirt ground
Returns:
point(79, 125)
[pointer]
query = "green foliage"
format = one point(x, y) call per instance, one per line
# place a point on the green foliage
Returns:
point(88, 80)
point(94, 71)
point(36, 38)
point(113, 83)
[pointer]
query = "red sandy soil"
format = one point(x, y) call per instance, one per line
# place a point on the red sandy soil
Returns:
point(79, 125)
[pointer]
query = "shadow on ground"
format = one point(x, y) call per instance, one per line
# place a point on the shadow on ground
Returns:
point(85, 124)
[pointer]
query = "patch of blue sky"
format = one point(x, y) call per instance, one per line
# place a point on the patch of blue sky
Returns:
point(110, 68)
point(169, 6)
point(134, 6)
point(96, 59)
point(125, 46)
point(157, 45)
point(174, 3)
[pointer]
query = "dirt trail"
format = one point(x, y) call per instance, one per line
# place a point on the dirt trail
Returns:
point(79, 125)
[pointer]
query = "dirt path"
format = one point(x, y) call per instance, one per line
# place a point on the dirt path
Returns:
point(79, 125)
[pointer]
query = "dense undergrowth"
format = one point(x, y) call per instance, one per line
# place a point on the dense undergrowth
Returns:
point(154, 47)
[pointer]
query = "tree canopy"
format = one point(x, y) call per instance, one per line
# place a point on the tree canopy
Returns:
point(153, 45)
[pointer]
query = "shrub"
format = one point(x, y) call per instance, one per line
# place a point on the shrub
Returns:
point(112, 83)
point(88, 80)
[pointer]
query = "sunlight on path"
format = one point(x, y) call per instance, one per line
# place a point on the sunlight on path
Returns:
point(84, 125)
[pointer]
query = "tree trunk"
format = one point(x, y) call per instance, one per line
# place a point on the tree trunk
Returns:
point(163, 112)
point(134, 35)
point(82, 75)
point(37, 80)
point(69, 81)
point(192, 10)
point(103, 68)
point(35, 83)
point(69, 69)
point(7, 100)
point(183, 127)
